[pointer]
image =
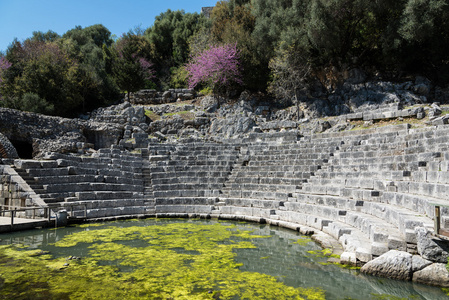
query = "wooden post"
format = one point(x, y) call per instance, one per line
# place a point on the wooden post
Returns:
point(437, 219)
point(12, 217)
point(85, 211)
point(49, 214)
point(34, 213)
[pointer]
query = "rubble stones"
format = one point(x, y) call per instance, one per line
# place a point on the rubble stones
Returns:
point(431, 248)
point(419, 263)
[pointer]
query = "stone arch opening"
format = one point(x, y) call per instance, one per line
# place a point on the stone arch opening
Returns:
point(24, 149)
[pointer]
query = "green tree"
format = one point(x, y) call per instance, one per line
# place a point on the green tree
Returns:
point(49, 36)
point(90, 46)
point(345, 30)
point(170, 34)
point(234, 23)
point(132, 71)
point(276, 21)
point(290, 73)
point(425, 31)
point(45, 71)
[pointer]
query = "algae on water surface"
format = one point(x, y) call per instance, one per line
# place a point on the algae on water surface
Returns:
point(175, 261)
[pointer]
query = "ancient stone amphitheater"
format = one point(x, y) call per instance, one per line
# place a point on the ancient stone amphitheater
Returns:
point(368, 191)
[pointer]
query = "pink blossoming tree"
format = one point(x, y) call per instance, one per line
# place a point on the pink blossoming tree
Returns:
point(217, 67)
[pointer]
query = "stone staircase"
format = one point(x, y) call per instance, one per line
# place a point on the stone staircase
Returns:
point(188, 179)
point(267, 176)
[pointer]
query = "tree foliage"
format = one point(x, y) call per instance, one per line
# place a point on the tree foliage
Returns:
point(67, 74)
point(86, 68)
point(4, 65)
point(290, 71)
point(131, 69)
point(233, 23)
point(90, 47)
point(424, 29)
point(45, 70)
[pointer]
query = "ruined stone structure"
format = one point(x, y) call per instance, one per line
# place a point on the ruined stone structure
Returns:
point(206, 11)
point(374, 191)
point(148, 97)
point(377, 197)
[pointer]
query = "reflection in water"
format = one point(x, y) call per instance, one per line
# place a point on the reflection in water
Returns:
point(285, 254)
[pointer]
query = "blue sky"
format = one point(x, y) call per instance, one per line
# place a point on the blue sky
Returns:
point(19, 18)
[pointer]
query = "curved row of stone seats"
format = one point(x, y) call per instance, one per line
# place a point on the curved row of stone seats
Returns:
point(402, 218)
point(110, 208)
point(354, 241)
point(188, 178)
point(422, 174)
point(275, 172)
point(373, 236)
point(372, 190)
point(110, 183)
point(381, 182)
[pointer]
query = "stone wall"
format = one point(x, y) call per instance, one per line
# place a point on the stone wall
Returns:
point(147, 97)
point(55, 134)
point(7, 150)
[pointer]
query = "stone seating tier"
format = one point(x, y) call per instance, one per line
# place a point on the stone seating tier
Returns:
point(390, 212)
point(190, 176)
point(296, 179)
point(379, 190)
point(196, 178)
point(112, 180)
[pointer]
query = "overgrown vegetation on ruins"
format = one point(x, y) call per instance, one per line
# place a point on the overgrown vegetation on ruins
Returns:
point(87, 67)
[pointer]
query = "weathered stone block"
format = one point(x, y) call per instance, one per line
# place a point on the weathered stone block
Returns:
point(393, 264)
point(434, 274)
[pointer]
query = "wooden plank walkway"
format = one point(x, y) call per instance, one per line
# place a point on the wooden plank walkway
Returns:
point(21, 224)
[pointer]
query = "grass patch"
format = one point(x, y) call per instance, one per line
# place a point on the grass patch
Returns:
point(415, 123)
point(152, 115)
point(186, 115)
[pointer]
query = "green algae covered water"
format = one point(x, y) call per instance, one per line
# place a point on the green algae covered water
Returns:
point(182, 259)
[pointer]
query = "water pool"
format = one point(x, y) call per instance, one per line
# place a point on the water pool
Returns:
point(182, 259)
